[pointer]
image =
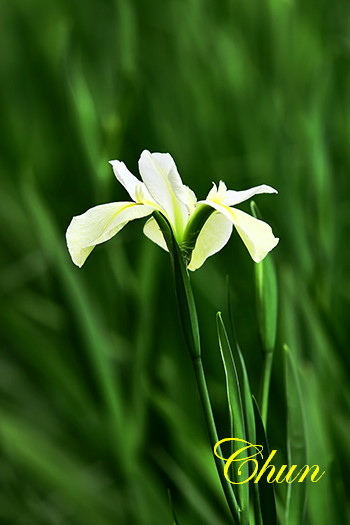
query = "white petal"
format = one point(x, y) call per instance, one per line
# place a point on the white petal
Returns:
point(256, 234)
point(153, 232)
point(160, 175)
point(190, 199)
point(213, 192)
point(125, 177)
point(235, 197)
point(143, 197)
point(99, 224)
point(217, 193)
point(212, 238)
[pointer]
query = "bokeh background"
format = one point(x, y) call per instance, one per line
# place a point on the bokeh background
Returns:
point(99, 415)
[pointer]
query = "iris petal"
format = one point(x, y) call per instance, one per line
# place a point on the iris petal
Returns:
point(99, 224)
point(125, 177)
point(233, 197)
point(212, 238)
point(257, 235)
point(153, 232)
point(160, 175)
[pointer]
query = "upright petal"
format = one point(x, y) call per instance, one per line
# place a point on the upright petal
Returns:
point(212, 238)
point(190, 199)
point(217, 193)
point(233, 197)
point(256, 234)
point(125, 177)
point(99, 224)
point(154, 233)
point(160, 175)
point(143, 197)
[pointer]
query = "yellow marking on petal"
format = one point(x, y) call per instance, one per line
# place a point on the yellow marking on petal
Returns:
point(98, 225)
point(160, 175)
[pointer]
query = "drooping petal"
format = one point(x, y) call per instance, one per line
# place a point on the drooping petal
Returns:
point(99, 224)
point(233, 197)
point(153, 232)
point(160, 175)
point(212, 238)
point(256, 234)
point(125, 177)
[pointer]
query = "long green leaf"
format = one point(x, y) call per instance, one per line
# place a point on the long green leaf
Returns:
point(235, 405)
point(266, 490)
point(249, 417)
point(296, 440)
point(173, 515)
point(248, 409)
point(190, 491)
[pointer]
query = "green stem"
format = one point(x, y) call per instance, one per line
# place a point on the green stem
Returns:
point(265, 386)
point(189, 323)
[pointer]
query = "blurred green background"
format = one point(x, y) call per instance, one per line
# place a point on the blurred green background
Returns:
point(99, 414)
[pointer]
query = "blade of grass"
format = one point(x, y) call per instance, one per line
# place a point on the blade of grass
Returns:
point(249, 417)
point(235, 409)
point(190, 491)
point(175, 521)
point(59, 471)
point(296, 440)
point(248, 410)
point(266, 490)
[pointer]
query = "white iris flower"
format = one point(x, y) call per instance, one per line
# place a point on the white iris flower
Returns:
point(162, 190)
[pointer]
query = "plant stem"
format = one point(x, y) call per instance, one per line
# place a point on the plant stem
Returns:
point(184, 294)
point(189, 323)
point(265, 386)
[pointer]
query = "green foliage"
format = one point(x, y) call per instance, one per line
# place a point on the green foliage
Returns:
point(99, 414)
point(235, 412)
point(266, 489)
point(296, 440)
